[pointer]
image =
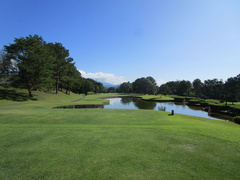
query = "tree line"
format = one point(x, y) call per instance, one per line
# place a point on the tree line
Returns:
point(34, 64)
point(211, 88)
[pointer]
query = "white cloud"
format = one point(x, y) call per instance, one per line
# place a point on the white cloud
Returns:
point(160, 82)
point(104, 77)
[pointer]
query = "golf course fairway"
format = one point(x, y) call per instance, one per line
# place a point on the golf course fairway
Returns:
point(46, 143)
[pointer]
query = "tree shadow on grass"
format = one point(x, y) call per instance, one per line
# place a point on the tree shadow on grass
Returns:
point(8, 94)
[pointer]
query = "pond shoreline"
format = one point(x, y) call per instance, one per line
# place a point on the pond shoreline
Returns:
point(225, 110)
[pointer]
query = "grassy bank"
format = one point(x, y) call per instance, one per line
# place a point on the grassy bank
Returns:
point(157, 98)
point(38, 142)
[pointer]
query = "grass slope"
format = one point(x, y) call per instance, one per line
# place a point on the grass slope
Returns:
point(45, 143)
point(17, 98)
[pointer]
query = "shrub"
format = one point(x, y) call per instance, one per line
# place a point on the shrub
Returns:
point(237, 119)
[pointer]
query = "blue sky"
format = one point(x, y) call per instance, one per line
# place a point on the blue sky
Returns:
point(122, 40)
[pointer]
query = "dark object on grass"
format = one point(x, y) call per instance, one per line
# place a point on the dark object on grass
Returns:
point(237, 119)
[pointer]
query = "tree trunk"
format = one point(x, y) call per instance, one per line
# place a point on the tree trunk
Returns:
point(57, 86)
point(29, 91)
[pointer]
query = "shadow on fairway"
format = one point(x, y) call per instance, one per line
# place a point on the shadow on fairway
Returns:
point(13, 95)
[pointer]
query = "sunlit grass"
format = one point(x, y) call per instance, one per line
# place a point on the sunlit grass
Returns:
point(40, 99)
point(157, 97)
point(115, 144)
point(38, 142)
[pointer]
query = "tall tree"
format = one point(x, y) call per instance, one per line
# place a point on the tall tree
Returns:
point(232, 87)
point(152, 80)
point(213, 88)
point(139, 85)
point(152, 85)
point(164, 89)
point(125, 87)
point(32, 58)
point(184, 88)
point(88, 86)
point(60, 60)
point(173, 85)
point(197, 87)
point(111, 90)
point(69, 76)
point(144, 86)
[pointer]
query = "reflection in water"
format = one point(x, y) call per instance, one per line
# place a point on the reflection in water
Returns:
point(145, 105)
point(162, 108)
point(180, 108)
point(196, 108)
point(125, 100)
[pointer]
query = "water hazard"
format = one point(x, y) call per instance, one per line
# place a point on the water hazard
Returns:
point(180, 108)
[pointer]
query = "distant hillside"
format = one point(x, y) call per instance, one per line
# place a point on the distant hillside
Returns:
point(108, 85)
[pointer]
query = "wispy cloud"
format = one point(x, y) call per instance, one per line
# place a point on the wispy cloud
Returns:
point(104, 77)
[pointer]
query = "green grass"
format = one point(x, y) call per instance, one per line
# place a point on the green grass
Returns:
point(235, 105)
point(44, 143)
point(214, 102)
point(17, 98)
point(157, 97)
point(40, 99)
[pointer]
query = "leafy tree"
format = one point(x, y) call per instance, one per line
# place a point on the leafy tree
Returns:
point(150, 87)
point(232, 87)
point(184, 88)
point(33, 60)
point(88, 86)
point(139, 86)
point(60, 60)
point(152, 80)
point(111, 90)
point(213, 88)
point(197, 87)
point(78, 83)
point(70, 76)
point(173, 85)
point(125, 87)
point(144, 86)
point(164, 89)
point(99, 88)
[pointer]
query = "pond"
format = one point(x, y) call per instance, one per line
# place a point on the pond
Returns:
point(180, 108)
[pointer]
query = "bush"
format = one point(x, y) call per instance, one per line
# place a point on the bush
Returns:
point(237, 119)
